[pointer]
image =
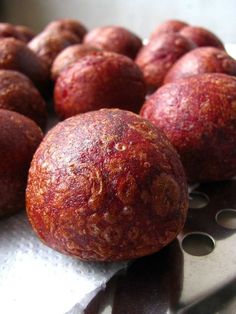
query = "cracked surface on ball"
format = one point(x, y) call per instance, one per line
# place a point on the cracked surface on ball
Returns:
point(106, 186)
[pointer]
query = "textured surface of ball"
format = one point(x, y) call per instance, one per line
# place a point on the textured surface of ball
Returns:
point(201, 37)
point(72, 26)
point(198, 115)
point(202, 60)
point(170, 26)
point(69, 56)
point(107, 80)
point(17, 93)
point(19, 32)
point(105, 186)
point(114, 38)
point(48, 44)
point(15, 55)
point(157, 57)
point(19, 138)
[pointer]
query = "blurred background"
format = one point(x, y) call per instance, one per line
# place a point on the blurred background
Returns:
point(140, 16)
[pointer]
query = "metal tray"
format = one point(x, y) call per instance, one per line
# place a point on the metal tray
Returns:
point(194, 274)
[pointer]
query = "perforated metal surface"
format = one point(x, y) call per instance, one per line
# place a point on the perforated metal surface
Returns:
point(173, 281)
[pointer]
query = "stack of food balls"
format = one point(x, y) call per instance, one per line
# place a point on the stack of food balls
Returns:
point(109, 182)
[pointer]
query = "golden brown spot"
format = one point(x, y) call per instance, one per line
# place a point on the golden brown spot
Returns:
point(115, 165)
point(90, 181)
point(165, 195)
point(147, 164)
point(143, 128)
point(127, 190)
point(110, 218)
point(120, 147)
point(112, 235)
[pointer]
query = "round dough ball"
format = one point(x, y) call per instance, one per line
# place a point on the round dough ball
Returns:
point(15, 55)
point(19, 138)
point(99, 81)
point(17, 93)
point(19, 32)
point(72, 26)
point(69, 56)
point(201, 37)
point(202, 60)
point(106, 186)
point(170, 26)
point(198, 115)
point(159, 55)
point(114, 38)
point(25, 33)
point(48, 44)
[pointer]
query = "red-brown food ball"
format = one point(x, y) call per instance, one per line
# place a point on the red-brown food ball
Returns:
point(201, 37)
point(17, 93)
point(19, 138)
point(19, 32)
point(106, 185)
point(198, 115)
point(157, 57)
point(107, 80)
point(114, 38)
point(8, 30)
point(25, 33)
point(170, 26)
point(72, 26)
point(202, 60)
point(69, 56)
point(48, 44)
point(15, 55)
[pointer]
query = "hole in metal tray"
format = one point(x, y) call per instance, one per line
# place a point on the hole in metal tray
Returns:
point(198, 243)
point(198, 200)
point(226, 218)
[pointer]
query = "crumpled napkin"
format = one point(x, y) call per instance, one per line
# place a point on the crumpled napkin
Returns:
point(36, 279)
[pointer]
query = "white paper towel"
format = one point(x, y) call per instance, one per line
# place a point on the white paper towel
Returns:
point(35, 279)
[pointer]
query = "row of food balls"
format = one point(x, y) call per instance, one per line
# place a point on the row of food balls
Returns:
point(110, 184)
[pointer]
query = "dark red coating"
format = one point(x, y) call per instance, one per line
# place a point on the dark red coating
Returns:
point(48, 44)
point(69, 56)
point(106, 185)
point(170, 26)
point(19, 138)
point(17, 93)
point(198, 115)
point(201, 37)
point(114, 38)
point(15, 55)
point(158, 56)
point(202, 60)
point(107, 80)
point(72, 26)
